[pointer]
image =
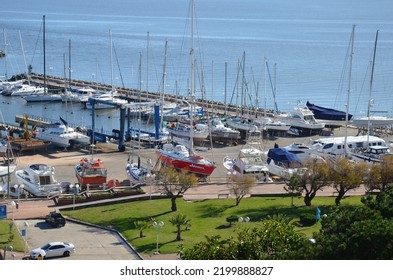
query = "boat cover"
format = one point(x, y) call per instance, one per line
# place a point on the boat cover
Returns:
point(282, 155)
point(323, 113)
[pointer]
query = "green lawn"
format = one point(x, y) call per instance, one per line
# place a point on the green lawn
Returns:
point(207, 217)
point(9, 236)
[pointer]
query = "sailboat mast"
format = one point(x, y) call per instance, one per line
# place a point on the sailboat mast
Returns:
point(192, 78)
point(371, 87)
point(44, 47)
point(349, 88)
point(163, 85)
point(5, 58)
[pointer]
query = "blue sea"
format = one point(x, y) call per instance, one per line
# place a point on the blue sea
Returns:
point(305, 44)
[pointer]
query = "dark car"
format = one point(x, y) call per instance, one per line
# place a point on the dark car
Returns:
point(55, 219)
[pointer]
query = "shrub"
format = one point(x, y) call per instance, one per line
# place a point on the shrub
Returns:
point(307, 220)
point(232, 219)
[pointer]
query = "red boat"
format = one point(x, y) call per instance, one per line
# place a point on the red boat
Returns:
point(90, 172)
point(179, 157)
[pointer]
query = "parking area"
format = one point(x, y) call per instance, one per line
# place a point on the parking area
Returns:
point(91, 243)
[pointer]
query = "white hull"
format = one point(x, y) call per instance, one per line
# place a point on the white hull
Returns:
point(33, 178)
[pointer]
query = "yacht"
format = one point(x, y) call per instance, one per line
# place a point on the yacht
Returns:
point(39, 180)
point(282, 163)
point(249, 162)
point(302, 119)
point(63, 136)
point(221, 133)
point(26, 90)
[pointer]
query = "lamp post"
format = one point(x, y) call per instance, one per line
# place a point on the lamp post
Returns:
point(244, 220)
point(24, 233)
point(157, 226)
point(13, 204)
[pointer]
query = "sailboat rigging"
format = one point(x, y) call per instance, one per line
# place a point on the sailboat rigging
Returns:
point(183, 157)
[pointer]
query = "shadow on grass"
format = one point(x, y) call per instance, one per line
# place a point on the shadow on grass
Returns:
point(211, 211)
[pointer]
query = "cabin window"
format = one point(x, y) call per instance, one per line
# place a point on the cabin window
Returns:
point(328, 146)
point(44, 180)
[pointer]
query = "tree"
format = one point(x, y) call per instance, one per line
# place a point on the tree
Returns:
point(178, 221)
point(292, 186)
point(347, 176)
point(141, 226)
point(354, 234)
point(272, 239)
point(240, 186)
point(312, 178)
point(174, 184)
point(380, 176)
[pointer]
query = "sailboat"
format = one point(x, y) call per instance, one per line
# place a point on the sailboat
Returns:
point(372, 153)
point(180, 156)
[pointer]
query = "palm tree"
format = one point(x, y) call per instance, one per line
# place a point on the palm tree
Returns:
point(178, 221)
point(141, 226)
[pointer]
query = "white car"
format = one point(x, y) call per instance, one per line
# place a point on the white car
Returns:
point(53, 249)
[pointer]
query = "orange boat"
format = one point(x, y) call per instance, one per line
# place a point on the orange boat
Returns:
point(90, 172)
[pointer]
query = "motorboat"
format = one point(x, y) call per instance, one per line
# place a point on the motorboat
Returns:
point(200, 132)
point(303, 120)
point(182, 158)
point(249, 162)
point(78, 94)
point(219, 132)
point(27, 90)
point(91, 172)
point(63, 136)
point(107, 100)
point(372, 154)
point(282, 163)
point(331, 117)
point(39, 180)
point(244, 126)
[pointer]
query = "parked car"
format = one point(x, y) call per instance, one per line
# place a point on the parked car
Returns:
point(53, 249)
point(55, 219)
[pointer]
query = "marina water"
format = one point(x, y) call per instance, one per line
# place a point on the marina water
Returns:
point(305, 44)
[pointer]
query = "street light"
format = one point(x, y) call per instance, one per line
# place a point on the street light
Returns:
point(244, 220)
point(13, 204)
point(157, 226)
point(24, 233)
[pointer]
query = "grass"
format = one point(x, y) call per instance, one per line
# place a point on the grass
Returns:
point(9, 236)
point(207, 218)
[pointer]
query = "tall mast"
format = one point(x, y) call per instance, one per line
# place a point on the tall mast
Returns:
point(371, 87)
point(349, 88)
point(192, 78)
point(5, 58)
point(44, 46)
point(163, 85)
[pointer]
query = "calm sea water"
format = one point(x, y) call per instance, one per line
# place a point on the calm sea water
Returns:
point(305, 43)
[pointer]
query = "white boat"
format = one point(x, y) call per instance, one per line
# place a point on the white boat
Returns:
point(63, 136)
point(270, 125)
point(373, 154)
point(220, 132)
point(250, 162)
point(39, 180)
point(372, 121)
point(8, 85)
point(136, 172)
point(26, 90)
point(108, 100)
point(43, 98)
point(179, 129)
point(78, 94)
point(303, 120)
point(282, 163)
point(304, 152)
